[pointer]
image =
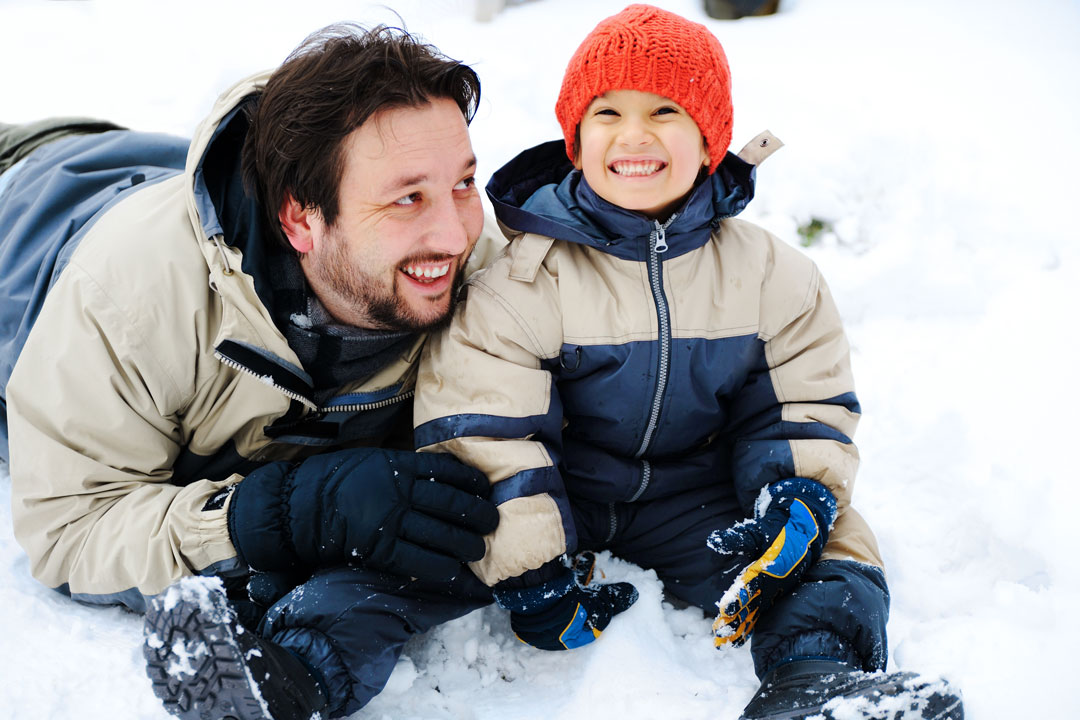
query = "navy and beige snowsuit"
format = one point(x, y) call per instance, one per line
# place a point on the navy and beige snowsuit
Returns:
point(632, 385)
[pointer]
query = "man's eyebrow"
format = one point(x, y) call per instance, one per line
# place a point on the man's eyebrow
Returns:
point(406, 181)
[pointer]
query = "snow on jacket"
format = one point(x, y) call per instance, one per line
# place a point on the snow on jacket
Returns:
point(153, 376)
point(608, 357)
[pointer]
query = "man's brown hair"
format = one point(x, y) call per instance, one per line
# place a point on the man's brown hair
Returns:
point(330, 85)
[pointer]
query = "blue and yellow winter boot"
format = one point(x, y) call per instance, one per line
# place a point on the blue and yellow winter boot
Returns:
point(828, 690)
point(204, 665)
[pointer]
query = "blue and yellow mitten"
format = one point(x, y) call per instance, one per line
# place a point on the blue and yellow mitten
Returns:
point(568, 611)
point(783, 539)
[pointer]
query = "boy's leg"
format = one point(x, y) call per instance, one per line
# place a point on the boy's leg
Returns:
point(838, 610)
point(350, 625)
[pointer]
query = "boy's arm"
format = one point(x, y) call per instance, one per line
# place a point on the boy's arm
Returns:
point(796, 415)
point(484, 393)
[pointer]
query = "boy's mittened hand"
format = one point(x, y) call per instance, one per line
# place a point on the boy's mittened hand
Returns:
point(567, 612)
point(780, 544)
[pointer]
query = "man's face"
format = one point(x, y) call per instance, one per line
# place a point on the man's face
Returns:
point(409, 215)
point(640, 151)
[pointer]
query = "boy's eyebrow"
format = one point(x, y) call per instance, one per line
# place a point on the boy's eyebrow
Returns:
point(406, 181)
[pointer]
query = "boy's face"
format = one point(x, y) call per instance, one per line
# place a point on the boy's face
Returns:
point(640, 151)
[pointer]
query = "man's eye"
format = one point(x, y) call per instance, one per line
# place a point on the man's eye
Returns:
point(408, 199)
point(465, 184)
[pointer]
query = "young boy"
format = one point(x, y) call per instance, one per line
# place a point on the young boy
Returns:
point(641, 373)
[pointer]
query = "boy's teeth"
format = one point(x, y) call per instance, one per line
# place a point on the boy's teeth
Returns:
point(636, 168)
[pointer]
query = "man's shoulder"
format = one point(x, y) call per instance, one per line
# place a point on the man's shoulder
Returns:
point(143, 238)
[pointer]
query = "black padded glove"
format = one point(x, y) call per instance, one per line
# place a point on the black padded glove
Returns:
point(415, 514)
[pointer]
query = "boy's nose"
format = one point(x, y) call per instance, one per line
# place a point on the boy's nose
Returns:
point(635, 132)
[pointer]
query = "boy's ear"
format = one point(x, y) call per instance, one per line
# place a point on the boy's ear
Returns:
point(295, 223)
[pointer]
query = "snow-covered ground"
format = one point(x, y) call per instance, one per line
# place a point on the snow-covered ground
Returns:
point(938, 141)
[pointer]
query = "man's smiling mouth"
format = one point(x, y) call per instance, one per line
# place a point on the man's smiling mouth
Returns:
point(427, 273)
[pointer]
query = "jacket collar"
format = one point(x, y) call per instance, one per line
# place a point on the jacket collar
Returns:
point(539, 191)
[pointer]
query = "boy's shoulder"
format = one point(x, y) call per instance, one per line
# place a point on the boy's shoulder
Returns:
point(523, 258)
point(735, 235)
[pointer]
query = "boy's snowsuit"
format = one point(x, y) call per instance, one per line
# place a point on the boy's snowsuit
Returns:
point(632, 386)
point(141, 373)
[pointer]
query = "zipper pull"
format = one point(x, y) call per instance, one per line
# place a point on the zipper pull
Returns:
point(660, 238)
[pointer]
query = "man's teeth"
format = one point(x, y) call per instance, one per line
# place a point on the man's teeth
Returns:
point(627, 169)
point(428, 273)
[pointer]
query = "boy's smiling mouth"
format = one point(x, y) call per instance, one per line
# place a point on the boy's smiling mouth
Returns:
point(636, 168)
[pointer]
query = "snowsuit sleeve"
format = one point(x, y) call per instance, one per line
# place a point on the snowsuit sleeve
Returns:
point(797, 412)
point(485, 394)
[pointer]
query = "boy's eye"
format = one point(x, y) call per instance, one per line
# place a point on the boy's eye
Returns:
point(666, 111)
point(607, 111)
point(465, 184)
point(408, 199)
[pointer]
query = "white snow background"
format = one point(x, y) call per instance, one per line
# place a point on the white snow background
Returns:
point(937, 138)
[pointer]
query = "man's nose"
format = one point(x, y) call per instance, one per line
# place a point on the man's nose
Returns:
point(447, 231)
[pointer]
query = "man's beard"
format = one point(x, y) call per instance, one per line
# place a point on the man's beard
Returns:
point(385, 310)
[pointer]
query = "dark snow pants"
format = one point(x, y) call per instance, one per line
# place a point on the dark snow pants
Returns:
point(838, 611)
point(351, 625)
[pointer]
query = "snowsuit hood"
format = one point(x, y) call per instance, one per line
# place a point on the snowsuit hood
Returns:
point(541, 192)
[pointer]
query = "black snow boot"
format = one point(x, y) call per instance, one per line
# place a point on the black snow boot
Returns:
point(827, 690)
point(204, 665)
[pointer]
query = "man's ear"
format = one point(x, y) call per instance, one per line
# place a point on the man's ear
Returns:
point(296, 224)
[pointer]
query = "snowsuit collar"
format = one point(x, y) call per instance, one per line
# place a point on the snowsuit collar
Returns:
point(539, 191)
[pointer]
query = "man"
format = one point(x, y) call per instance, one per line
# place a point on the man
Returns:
point(207, 358)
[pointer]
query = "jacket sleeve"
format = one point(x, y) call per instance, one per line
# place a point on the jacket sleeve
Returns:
point(95, 428)
point(796, 414)
point(485, 393)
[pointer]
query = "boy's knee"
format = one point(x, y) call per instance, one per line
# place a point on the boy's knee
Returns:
point(839, 611)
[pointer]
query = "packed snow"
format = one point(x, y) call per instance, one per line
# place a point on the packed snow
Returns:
point(931, 155)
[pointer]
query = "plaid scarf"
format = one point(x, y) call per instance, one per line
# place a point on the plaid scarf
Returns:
point(332, 353)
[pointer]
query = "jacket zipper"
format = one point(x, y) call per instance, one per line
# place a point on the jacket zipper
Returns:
point(374, 405)
point(355, 407)
point(657, 246)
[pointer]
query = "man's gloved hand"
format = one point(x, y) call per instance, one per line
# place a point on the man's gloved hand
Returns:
point(414, 514)
point(783, 539)
point(566, 612)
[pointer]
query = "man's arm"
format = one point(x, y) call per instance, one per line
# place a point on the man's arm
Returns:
point(95, 429)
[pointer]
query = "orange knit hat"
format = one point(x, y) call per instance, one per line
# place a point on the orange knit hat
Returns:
point(652, 50)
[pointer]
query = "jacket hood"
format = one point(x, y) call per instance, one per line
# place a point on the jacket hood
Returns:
point(223, 207)
point(539, 191)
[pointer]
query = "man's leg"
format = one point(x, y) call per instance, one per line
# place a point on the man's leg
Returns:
point(18, 141)
point(350, 625)
point(326, 647)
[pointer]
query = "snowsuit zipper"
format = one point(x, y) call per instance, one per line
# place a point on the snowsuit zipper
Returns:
point(657, 246)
